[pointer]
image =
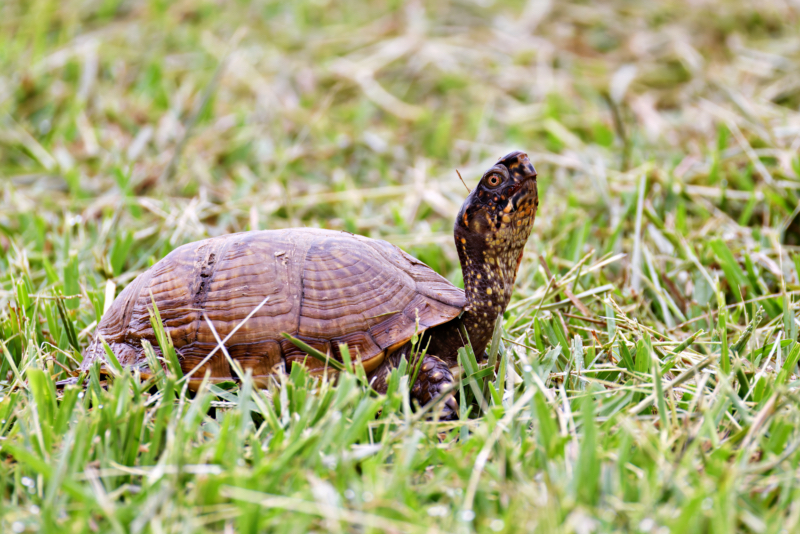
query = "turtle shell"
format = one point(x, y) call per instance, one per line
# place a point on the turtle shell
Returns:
point(324, 287)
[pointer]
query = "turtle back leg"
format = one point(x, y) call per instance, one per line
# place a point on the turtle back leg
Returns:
point(433, 378)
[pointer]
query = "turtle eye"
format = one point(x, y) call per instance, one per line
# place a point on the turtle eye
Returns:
point(493, 180)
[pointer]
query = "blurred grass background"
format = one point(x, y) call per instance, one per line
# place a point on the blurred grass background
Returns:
point(666, 137)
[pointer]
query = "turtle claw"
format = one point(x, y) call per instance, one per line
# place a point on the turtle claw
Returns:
point(435, 378)
point(449, 409)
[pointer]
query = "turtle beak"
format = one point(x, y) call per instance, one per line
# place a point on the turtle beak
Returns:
point(525, 197)
point(524, 187)
point(519, 166)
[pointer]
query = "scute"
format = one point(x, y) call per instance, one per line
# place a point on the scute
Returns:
point(324, 287)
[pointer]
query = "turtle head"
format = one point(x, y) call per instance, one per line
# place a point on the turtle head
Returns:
point(491, 231)
point(498, 214)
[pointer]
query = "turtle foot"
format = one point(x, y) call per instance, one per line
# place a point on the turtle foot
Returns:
point(435, 379)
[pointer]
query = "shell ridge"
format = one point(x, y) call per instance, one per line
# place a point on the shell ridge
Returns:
point(145, 280)
point(138, 284)
point(302, 286)
point(364, 319)
point(123, 335)
point(421, 285)
point(208, 268)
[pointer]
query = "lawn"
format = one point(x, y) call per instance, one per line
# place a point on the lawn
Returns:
point(648, 377)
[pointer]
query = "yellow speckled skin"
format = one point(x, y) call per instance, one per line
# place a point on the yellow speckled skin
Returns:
point(491, 231)
point(326, 288)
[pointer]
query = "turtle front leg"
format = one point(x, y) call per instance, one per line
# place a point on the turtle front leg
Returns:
point(433, 378)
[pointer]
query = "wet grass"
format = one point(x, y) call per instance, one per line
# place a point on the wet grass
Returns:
point(648, 363)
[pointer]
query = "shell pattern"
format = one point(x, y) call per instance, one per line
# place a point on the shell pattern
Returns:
point(324, 287)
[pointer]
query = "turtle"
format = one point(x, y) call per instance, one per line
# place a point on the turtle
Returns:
point(326, 288)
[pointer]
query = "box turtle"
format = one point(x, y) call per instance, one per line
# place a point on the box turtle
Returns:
point(327, 287)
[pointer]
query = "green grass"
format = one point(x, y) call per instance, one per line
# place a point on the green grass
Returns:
point(648, 377)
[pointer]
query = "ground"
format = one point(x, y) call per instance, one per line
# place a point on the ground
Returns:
point(648, 359)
